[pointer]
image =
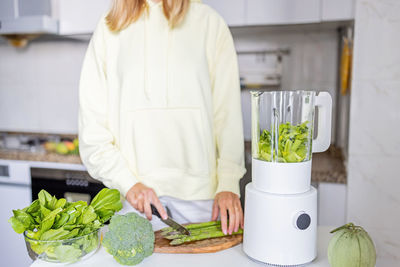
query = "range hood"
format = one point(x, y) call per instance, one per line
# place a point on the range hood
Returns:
point(27, 17)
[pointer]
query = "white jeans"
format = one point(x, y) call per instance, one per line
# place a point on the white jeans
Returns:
point(181, 211)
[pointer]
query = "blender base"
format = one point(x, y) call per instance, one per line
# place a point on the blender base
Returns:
point(280, 229)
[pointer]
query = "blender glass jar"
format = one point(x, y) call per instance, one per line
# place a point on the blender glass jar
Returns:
point(283, 138)
point(282, 125)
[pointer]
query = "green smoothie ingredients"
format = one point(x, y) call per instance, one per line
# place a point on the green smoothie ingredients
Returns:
point(130, 238)
point(51, 219)
point(351, 246)
point(198, 231)
point(293, 143)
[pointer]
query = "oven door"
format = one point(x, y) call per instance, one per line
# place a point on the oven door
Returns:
point(68, 184)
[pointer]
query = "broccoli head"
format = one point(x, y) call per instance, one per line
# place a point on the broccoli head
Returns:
point(130, 238)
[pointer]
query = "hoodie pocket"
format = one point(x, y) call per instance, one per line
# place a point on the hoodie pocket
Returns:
point(166, 141)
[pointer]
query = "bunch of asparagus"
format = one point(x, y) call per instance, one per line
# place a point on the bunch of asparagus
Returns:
point(198, 231)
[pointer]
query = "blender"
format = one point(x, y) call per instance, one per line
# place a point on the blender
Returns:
point(281, 205)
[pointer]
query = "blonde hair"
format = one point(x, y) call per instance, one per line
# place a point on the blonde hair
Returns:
point(125, 12)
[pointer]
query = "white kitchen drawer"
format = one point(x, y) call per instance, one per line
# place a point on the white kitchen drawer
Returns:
point(15, 172)
point(275, 12)
point(332, 204)
point(233, 11)
point(13, 250)
point(334, 10)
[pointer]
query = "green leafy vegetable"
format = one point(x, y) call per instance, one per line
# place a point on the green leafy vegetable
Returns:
point(67, 253)
point(88, 215)
point(44, 198)
point(293, 143)
point(54, 234)
point(105, 203)
point(17, 225)
point(130, 238)
point(48, 220)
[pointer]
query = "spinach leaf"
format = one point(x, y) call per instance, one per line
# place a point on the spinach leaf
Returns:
point(17, 225)
point(67, 253)
point(44, 197)
point(88, 215)
point(106, 203)
point(54, 234)
point(48, 220)
point(293, 143)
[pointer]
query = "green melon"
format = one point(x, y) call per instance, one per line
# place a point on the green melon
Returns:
point(351, 246)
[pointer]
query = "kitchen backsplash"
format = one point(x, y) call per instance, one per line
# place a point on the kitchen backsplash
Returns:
point(39, 84)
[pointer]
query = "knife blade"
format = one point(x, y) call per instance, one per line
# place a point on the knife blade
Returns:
point(170, 222)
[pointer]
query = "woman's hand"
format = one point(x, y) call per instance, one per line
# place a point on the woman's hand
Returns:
point(141, 196)
point(228, 202)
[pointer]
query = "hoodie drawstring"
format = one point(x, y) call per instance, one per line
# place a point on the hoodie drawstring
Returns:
point(145, 63)
point(145, 78)
point(167, 67)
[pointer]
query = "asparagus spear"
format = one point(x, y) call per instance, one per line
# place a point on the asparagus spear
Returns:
point(172, 237)
point(192, 226)
point(202, 225)
point(175, 234)
point(201, 236)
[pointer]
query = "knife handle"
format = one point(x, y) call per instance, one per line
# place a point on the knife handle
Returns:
point(154, 211)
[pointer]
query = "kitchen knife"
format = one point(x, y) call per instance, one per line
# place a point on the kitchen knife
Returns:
point(169, 221)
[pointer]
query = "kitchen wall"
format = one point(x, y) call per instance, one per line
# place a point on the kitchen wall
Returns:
point(374, 152)
point(39, 84)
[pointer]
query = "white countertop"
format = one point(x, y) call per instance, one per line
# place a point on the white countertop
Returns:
point(230, 257)
point(55, 165)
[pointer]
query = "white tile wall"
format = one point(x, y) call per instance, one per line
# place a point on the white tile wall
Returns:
point(39, 85)
point(374, 152)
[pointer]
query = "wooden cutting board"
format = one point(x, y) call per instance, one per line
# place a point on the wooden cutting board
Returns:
point(203, 246)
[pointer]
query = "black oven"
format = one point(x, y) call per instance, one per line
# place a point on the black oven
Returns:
point(69, 184)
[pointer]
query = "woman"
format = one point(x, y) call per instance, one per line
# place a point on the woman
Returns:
point(160, 116)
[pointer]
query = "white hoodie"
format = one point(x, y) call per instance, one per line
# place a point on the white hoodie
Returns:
point(161, 106)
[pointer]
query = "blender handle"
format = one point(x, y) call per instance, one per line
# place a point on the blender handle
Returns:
point(324, 103)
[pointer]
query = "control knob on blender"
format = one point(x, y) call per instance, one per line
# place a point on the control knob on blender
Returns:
point(302, 221)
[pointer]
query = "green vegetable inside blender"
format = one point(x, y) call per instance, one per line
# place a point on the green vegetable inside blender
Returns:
point(293, 143)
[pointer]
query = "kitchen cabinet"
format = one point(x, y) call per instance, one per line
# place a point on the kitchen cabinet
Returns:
point(15, 193)
point(13, 249)
point(275, 12)
point(335, 10)
point(332, 204)
point(282, 12)
point(79, 16)
point(233, 11)
point(83, 20)
point(7, 9)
